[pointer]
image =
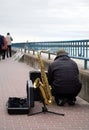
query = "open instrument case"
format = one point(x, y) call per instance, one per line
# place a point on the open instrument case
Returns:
point(16, 105)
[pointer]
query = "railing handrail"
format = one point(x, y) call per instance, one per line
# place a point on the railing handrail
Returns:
point(78, 49)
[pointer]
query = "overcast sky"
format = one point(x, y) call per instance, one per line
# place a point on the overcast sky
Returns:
point(45, 20)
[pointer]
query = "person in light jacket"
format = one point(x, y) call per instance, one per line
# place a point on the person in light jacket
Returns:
point(9, 40)
point(63, 76)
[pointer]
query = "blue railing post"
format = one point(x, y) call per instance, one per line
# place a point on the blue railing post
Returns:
point(49, 56)
point(85, 64)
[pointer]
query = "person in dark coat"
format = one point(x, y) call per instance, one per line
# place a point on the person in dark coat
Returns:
point(63, 76)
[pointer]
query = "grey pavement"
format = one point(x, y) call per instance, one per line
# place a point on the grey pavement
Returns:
point(13, 78)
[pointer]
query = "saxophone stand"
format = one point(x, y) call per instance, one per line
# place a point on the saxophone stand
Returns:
point(45, 110)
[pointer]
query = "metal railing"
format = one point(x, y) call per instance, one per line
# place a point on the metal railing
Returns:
point(77, 49)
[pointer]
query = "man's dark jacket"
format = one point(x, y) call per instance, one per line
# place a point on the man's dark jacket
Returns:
point(63, 75)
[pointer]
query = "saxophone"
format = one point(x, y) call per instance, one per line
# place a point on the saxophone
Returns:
point(43, 85)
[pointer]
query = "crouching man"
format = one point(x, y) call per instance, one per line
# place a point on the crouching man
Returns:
point(63, 76)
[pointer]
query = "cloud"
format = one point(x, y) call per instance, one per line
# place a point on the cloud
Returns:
point(45, 19)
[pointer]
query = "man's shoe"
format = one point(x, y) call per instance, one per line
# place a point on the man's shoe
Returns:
point(61, 102)
point(71, 103)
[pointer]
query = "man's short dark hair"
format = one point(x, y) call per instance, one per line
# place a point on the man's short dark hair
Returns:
point(8, 33)
point(59, 52)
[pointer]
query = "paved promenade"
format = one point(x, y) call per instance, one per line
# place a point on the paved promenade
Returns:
point(13, 78)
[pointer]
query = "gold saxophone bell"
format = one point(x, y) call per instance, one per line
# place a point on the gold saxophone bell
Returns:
point(36, 82)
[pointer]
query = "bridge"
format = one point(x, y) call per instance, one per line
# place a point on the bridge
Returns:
point(13, 78)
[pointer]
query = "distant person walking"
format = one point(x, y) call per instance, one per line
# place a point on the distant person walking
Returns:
point(9, 40)
point(3, 46)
